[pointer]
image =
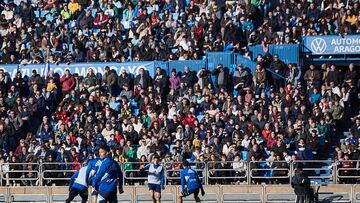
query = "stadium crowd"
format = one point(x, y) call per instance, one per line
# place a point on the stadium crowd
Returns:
point(200, 116)
point(181, 116)
point(37, 31)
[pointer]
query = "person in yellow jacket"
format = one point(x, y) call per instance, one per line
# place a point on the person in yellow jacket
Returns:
point(73, 6)
point(65, 14)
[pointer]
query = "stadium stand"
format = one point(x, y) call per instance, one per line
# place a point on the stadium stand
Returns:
point(238, 117)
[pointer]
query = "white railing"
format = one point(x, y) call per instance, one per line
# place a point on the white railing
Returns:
point(319, 171)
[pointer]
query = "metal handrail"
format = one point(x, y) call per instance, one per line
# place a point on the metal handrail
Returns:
point(333, 171)
point(22, 172)
point(179, 170)
point(57, 171)
point(267, 166)
point(339, 169)
point(331, 176)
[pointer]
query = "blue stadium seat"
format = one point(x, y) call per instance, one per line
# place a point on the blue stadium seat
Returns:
point(309, 155)
point(199, 117)
point(71, 47)
point(171, 147)
point(134, 104)
point(93, 12)
point(96, 30)
point(37, 14)
point(244, 154)
point(136, 112)
point(213, 78)
point(49, 18)
point(126, 24)
point(175, 16)
point(149, 9)
point(43, 13)
point(72, 24)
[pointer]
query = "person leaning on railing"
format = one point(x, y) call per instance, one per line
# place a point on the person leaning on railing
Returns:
point(240, 168)
point(346, 164)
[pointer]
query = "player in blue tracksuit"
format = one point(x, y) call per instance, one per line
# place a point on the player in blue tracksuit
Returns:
point(155, 178)
point(94, 165)
point(81, 179)
point(190, 183)
point(79, 184)
point(107, 179)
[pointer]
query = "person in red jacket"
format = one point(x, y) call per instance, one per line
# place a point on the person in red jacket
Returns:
point(190, 119)
point(198, 30)
point(68, 82)
point(100, 20)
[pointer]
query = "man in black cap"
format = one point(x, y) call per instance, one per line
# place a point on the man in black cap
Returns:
point(301, 184)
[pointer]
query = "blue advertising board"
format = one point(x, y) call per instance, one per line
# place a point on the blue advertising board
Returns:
point(80, 68)
point(289, 53)
point(332, 45)
point(194, 65)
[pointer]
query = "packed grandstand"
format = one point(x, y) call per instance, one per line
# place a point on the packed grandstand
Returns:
point(230, 123)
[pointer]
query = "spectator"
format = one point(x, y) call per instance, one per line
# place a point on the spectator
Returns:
point(279, 68)
point(67, 82)
point(222, 77)
point(241, 78)
point(188, 78)
point(312, 76)
point(110, 80)
point(143, 80)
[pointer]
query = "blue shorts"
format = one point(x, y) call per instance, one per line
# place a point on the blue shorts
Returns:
point(155, 187)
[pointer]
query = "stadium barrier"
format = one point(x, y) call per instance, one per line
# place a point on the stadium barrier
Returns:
point(345, 173)
point(344, 193)
point(212, 59)
point(319, 171)
point(26, 173)
point(289, 53)
point(269, 170)
point(217, 172)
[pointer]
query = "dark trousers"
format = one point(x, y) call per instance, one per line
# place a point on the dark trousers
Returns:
point(300, 198)
point(303, 199)
point(75, 192)
point(277, 82)
point(107, 197)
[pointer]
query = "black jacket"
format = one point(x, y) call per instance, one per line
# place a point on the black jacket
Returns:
point(301, 184)
point(216, 73)
point(189, 78)
point(124, 80)
point(278, 66)
point(147, 80)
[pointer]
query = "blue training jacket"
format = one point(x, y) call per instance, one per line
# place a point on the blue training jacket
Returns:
point(94, 165)
point(81, 177)
point(190, 177)
point(108, 176)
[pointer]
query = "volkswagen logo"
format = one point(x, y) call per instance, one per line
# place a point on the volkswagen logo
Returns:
point(318, 46)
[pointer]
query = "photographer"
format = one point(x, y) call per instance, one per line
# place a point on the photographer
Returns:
point(301, 184)
point(204, 78)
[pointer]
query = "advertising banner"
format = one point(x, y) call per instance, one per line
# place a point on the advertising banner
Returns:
point(80, 68)
point(332, 45)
